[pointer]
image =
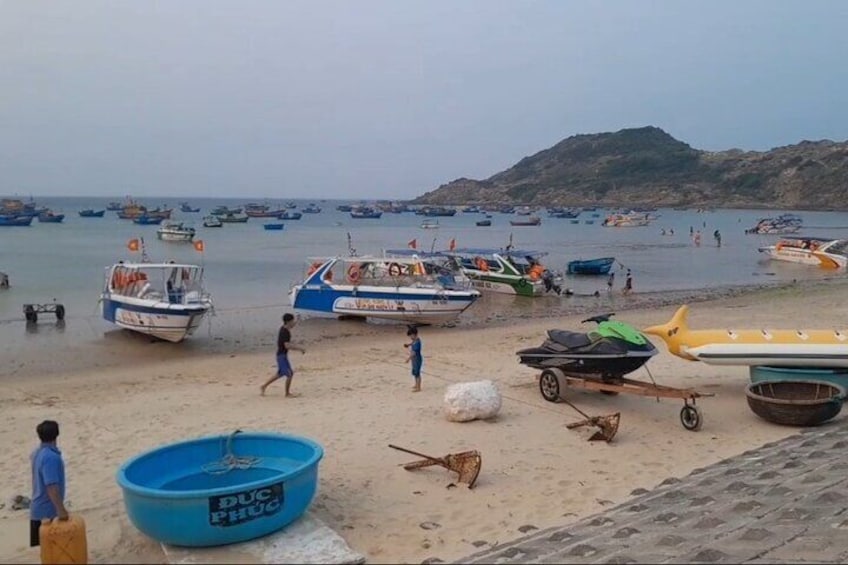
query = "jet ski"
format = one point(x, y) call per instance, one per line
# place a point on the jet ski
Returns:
point(610, 351)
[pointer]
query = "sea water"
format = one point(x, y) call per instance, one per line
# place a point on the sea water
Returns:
point(249, 270)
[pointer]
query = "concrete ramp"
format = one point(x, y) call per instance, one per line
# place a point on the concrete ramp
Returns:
point(308, 541)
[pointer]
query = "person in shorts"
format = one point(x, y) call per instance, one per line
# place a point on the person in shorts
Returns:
point(284, 345)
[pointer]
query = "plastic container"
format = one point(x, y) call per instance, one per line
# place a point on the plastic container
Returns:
point(63, 541)
point(173, 496)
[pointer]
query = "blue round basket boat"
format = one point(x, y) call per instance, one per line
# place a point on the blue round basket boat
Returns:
point(220, 489)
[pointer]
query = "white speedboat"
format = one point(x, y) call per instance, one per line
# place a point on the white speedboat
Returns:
point(163, 300)
point(175, 231)
point(404, 289)
point(821, 252)
point(629, 220)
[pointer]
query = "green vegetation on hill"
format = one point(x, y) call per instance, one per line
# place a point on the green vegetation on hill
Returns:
point(647, 166)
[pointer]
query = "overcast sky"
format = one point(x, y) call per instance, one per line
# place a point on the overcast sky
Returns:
point(382, 99)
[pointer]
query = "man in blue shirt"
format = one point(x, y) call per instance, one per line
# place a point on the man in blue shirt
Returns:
point(48, 480)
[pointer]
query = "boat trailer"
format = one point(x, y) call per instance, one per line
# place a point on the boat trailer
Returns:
point(554, 381)
point(31, 311)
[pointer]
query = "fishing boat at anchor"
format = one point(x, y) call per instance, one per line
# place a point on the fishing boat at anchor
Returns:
point(164, 300)
point(403, 289)
point(600, 266)
point(90, 213)
point(175, 231)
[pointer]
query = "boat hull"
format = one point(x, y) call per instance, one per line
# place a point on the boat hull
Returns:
point(591, 266)
point(771, 354)
point(611, 365)
point(174, 236)
point(412, 305)
point(516, 286)
point(170, 322)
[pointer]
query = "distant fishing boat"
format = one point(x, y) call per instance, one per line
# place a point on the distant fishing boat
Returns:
point(89, 213)
point(430, 224)
point(184, 207)
point(212, 222)
point(530, 221)
point(484, 223)
point(599, 266)
point(175, 231)
point(276, 227)
point(15, 221)
point(145, 220)
point(49, 217)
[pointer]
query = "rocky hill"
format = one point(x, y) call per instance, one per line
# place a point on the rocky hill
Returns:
point(648, 167)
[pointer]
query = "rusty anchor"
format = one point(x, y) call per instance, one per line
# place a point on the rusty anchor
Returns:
point(467, 463)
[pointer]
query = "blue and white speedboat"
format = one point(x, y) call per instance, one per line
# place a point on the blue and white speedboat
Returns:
point(405, 289)
point(163, 300)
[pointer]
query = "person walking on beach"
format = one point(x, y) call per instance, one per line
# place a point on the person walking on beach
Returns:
point(414, 347)
point(48, 481)
point(284, 345)
point(610, 281)
point(628, 283)
point(717, 237)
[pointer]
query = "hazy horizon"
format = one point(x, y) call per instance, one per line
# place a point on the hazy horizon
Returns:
point(389, 100)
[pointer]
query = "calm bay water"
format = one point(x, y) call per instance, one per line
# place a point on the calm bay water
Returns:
point(249, 269)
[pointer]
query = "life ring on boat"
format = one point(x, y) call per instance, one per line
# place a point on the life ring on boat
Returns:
point(481, 264)
point(353, 273)
point(395, 270)
point(313, 267)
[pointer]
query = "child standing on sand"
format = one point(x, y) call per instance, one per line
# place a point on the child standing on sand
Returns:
point(414, 357)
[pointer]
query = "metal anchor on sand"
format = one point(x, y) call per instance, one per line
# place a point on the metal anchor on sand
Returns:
point(467, 463)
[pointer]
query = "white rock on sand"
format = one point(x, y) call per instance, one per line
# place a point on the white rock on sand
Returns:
point(478, 400)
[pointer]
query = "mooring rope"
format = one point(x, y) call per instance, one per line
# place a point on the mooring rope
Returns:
point(230, 461)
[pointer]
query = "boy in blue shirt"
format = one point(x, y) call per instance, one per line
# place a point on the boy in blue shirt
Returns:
point(48, 480)
point(415, 356)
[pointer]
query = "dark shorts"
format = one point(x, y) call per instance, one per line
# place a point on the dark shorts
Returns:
point(284, 368)
point(34, 540)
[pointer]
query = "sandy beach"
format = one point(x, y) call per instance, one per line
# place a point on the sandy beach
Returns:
point(356, 399)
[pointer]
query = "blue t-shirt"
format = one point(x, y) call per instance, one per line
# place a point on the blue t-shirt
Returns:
point(416, 351)
point(47, 469)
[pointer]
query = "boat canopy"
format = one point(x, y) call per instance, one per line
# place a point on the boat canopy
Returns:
point(493, 251)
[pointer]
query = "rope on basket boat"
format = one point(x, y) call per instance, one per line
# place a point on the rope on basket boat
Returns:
point(230, 461)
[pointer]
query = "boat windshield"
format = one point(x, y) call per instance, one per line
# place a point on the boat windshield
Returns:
point(178, 284)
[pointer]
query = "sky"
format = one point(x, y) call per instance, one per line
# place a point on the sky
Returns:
point(391, 98)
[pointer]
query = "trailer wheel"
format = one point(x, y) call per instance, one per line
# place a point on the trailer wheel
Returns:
point(30, 313)
point(60, 312)
point(549, 385)
point(691, 418)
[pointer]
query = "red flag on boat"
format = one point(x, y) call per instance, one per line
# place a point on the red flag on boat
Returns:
point(413, 244)
point(452, 245)
point(132, 245)
point(198, 245)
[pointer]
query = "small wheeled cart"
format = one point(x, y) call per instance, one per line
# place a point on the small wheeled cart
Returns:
point(31, 311)
point(554, 381)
